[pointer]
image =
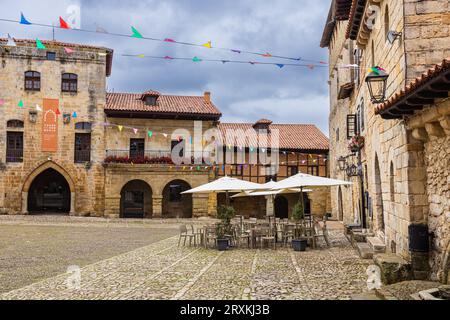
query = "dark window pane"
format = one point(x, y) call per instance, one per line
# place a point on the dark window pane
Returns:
point(82, 147)
point(175, 193)
point(14, 147)
point(83, 126)
point(32, 81)
point(137, 148)
point(69, 82)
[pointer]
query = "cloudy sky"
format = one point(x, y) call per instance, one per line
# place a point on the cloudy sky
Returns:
point(242, 92)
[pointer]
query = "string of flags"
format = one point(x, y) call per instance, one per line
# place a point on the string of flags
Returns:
point(225, 61)
point(135, 33)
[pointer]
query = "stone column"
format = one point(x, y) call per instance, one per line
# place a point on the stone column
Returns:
point(72, 204)
point(269, 206)
point(157, 206)
point(112, 207)
point(200, 205)
point(24, 202)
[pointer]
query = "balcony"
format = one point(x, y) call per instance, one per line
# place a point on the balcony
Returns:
point(163, 157)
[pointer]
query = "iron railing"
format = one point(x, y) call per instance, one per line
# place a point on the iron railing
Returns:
point(148, 157)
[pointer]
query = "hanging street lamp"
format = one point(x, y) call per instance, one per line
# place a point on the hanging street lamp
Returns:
point(342, 161)
point(377, 83)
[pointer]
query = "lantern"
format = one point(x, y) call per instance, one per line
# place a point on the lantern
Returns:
point(377, 83)
point(342, 163)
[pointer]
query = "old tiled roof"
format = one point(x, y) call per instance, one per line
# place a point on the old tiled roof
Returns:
point(264, 121)
point(166, 104)
point(435, 83)
point(151, 93)
point(291, 136)
point(355, 18)
point(339, 10)
point(51, 43)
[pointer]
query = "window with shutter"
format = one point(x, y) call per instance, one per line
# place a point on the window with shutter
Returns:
point(351, 125)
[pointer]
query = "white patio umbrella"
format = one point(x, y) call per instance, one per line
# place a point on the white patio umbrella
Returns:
point(303, 180)
point(269, 192)
point(227, 185)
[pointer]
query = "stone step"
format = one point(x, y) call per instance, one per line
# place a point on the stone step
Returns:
point(376, 244)
point(393, 268)
point(364, 250)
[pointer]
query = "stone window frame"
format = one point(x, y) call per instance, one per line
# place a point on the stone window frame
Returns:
point(69, 82)
point(32, 80)
point(14, 155)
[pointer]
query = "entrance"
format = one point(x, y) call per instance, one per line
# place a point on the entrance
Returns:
point(281, 207)
point(49, 193)
point(136, 200)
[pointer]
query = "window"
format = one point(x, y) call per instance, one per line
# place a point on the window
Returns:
point(51, 56)
point(83, 126)
point(313, 170)
point(352, 127)
point(236, 170)
point(357, 58)
point(179, 144)
point(150, 101)
point(175, 193)
point(14, 146)
point(14, 124)
point(386, 22)
point(69, 83)
point(32, 81)
point(292, 171)
point(337, 135)
point(82, 147)
point(137, 148)
point(313, 165)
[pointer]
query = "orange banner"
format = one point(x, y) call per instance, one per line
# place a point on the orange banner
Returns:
point(50, 125)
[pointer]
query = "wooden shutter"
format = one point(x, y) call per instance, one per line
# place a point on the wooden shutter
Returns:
point(351, 125)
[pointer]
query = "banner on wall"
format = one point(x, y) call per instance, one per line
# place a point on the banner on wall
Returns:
point(50, 125)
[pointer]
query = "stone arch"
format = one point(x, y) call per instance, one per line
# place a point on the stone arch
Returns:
point(36, 172)
point(174, 203)
point(136, 199)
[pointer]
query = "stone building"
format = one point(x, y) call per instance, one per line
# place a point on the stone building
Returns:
point(402, 170)
point(67, 146)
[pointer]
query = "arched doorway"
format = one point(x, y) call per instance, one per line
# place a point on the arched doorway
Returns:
point(340, 205)
point(379, 209)
point(49, 193)
point(281, 207)
point(175, 204)
point(136, 200)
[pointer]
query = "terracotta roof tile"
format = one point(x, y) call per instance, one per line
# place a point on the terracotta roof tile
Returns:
point(291, 136)
point(189, 105)
point(415, 84)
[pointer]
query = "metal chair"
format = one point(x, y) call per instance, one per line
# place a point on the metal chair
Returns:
point(210, 234)
point(268, 236)
point(184, 234)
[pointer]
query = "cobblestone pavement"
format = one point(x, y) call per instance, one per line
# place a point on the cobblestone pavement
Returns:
point(162, 270)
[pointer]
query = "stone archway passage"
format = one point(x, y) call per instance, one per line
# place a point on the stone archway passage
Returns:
point(175, 204)
point(281, 207)
point(49, 193)
point(136, 200)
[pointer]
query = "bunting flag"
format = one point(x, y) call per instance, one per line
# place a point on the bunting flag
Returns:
point(57, 111)
point(149, 133)
point(120, 128)
point(165, 135)
point(2, 102)
point(280, 65)
point(136, 34)
point(196, 59)
point(135, 130)
point(74, 115)
point(68, 50)
point(141, 56)
point(40, 45)
point(20, 105)
point(63, 24)
point(11, 42)
point(207, 45)
point(38, 107)
point(168, 58)
point(23, 20)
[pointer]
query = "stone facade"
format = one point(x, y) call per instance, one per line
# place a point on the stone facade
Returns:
point(403, 185)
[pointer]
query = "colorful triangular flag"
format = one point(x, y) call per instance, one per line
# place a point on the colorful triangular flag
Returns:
point(150, 133)
point(2, 102)
point(11, 42)
point(140, 56)
point(63, 24)
point(196, 59)
point(40, 45)
point(100, 29)
point(168, 58)
point(136, 34)
point(23, 20)
point(267, 55)
point(279, 65)
point(74, 115)
point(57, 111)
point(165, 135)
point(207, 45)
point(135, 130)
point(120, 128)
point(169, 40)
point(68, 50)
point(38, 107)
point(20, 105)
point(236, 51)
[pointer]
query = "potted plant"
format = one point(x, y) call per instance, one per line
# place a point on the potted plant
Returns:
point(356, 143)
point(224, 228)
point(298, 243)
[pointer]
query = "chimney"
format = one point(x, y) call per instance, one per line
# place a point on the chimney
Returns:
point(207, 96)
